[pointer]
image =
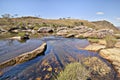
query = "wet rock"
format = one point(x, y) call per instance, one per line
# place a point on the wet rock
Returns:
point(95, 47)
point(112, 55)
point(24, 57)
point(45, 30)
point(99, 69)
point(62, 32)
point(38, 79)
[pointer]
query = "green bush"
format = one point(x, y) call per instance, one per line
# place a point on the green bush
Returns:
point(74, 71)
point(110, 40)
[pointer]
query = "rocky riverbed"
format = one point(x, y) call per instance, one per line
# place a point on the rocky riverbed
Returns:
point(60, 52)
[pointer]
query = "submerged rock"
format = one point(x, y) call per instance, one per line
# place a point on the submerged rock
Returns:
point(91, 68)
point(99, 69)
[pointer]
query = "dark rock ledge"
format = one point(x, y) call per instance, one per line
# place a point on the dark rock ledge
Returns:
point(24, 57)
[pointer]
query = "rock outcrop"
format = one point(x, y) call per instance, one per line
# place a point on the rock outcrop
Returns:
point(84, 32)
point(25, 56)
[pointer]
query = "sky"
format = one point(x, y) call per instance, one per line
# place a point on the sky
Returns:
point(91, 10)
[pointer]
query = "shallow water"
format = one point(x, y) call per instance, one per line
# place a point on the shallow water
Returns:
point(60, 51)
point(12, 48)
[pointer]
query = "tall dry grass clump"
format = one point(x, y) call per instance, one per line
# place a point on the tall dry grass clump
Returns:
point(74, 71)
point(110, 40)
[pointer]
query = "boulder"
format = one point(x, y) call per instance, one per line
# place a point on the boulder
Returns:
point(103, 32)
point(14, 30)
point(70, 35)
point(90, 35)
point(2, 30)
point(25, 37)
point(61, 28)
point(117, 36)
point(45, 30)
point(16, 38)
point(62, 32)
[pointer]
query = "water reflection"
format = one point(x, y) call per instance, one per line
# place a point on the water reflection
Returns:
point(13, 48)
point(60, 52)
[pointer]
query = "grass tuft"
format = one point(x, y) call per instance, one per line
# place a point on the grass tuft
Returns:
point(74, 71)
point(110, 40)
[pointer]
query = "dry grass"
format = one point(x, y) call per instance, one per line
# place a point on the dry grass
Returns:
point(74, 71)
point(110, 41)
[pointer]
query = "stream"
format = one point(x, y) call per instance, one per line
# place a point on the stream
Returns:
point(60, 51)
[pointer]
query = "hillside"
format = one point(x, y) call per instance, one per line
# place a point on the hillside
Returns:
point(105, 25)
point(36, 23)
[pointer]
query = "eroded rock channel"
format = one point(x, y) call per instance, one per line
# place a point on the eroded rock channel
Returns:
point(60, 52)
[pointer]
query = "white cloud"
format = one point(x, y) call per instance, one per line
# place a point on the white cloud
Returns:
point(100, 13)
point(118, 19)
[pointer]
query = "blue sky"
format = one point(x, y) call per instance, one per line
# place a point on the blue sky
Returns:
point(91, 10)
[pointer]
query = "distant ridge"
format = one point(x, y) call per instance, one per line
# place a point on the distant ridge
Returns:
point(105, 25)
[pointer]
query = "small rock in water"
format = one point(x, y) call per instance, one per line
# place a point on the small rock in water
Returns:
point(38, 78)
point(0, 73)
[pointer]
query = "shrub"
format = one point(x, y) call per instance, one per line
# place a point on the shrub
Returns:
point(93, 40)
point(74, 71)
point(110, 40)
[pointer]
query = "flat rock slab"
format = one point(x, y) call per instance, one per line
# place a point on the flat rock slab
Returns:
point(95, 47)
point(13, 48)
point(24, 57)
point(113, 55)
